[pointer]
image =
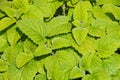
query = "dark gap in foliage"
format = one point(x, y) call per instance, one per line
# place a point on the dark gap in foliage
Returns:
point(47, 19)
point(118, 51)
point(2, 13)
point(77, 79)
point(32, 41)
point(4, 31)
point(57, 35)
point(37, 73)
point(63, 48)
point(1, 54)
point(93, 2)
point(111, 16)
point(101, 5)
point(87, 72)
point(66, 9)
point(95, 37)
point(76, 51)
point(58, 12)
point(74, 3)
point(37, 58)
point(19, 18)
point(23, 36)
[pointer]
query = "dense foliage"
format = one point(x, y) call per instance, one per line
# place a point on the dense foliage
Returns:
point(59, 40)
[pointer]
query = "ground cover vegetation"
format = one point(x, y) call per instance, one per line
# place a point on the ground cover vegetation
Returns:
point(59, 39)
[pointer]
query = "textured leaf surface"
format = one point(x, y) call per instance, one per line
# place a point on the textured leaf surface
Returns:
point(21, 5)
point(40, 77)
point(114, 60)
point(3, 65)
point(29, 70)
point(33, 12)
point(115, 2)
point(79, 35)
point(76, 72)
point(11, 52)
point(10, 12)
point(42, 50)
point(34, 28)
point(6, 22)
point(3, 43)
point(106, 46)
point(97, 28)
point(29, 46)
point(109, 8)
point(59, 42)
point(95, 65)
point(13, 36)
point(23, 58)
point(58, 25)
point(86, 61)
point(48, 7)
point(61, 63)
point(81, 13)
point(101, 75)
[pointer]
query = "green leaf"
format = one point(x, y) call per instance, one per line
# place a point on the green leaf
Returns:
point(11, 52)
point(64, 57)
point(2, 14)
point(10, 12)
point(23, 58)
point(59, 42)
point(60, 73)
point(40, 66)
point(112, 69)
point(81, 12)
point(40, 77)
point(49, 65)
point(29, 69)
point(106, 46)
point(34, 29)
point(21, 5)
point(29, 46)
point(58, 25)
point(6, 22)
point(74, 1)
point(97, 28)
point(4, 4)
point(98, 13)
point(115, 2)
point(95, 65)
point(47, 7)
point(13, 36)
point(42, 50)
point(109, 8)
point(13, 73)
point(87, 77)
point(79, 35)
point(33, 12)
point(87, 46)
point(86, 61)
point(64, 65)
point(3, 65)
point(100, 75)
point(113, 30)
point(3, 43)
point(61, 63)
point(76, 72)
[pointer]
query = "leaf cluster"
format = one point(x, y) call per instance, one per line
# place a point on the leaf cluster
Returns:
point(59, 40)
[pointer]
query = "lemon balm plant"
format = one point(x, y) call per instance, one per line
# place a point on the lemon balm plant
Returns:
point(59, 40)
